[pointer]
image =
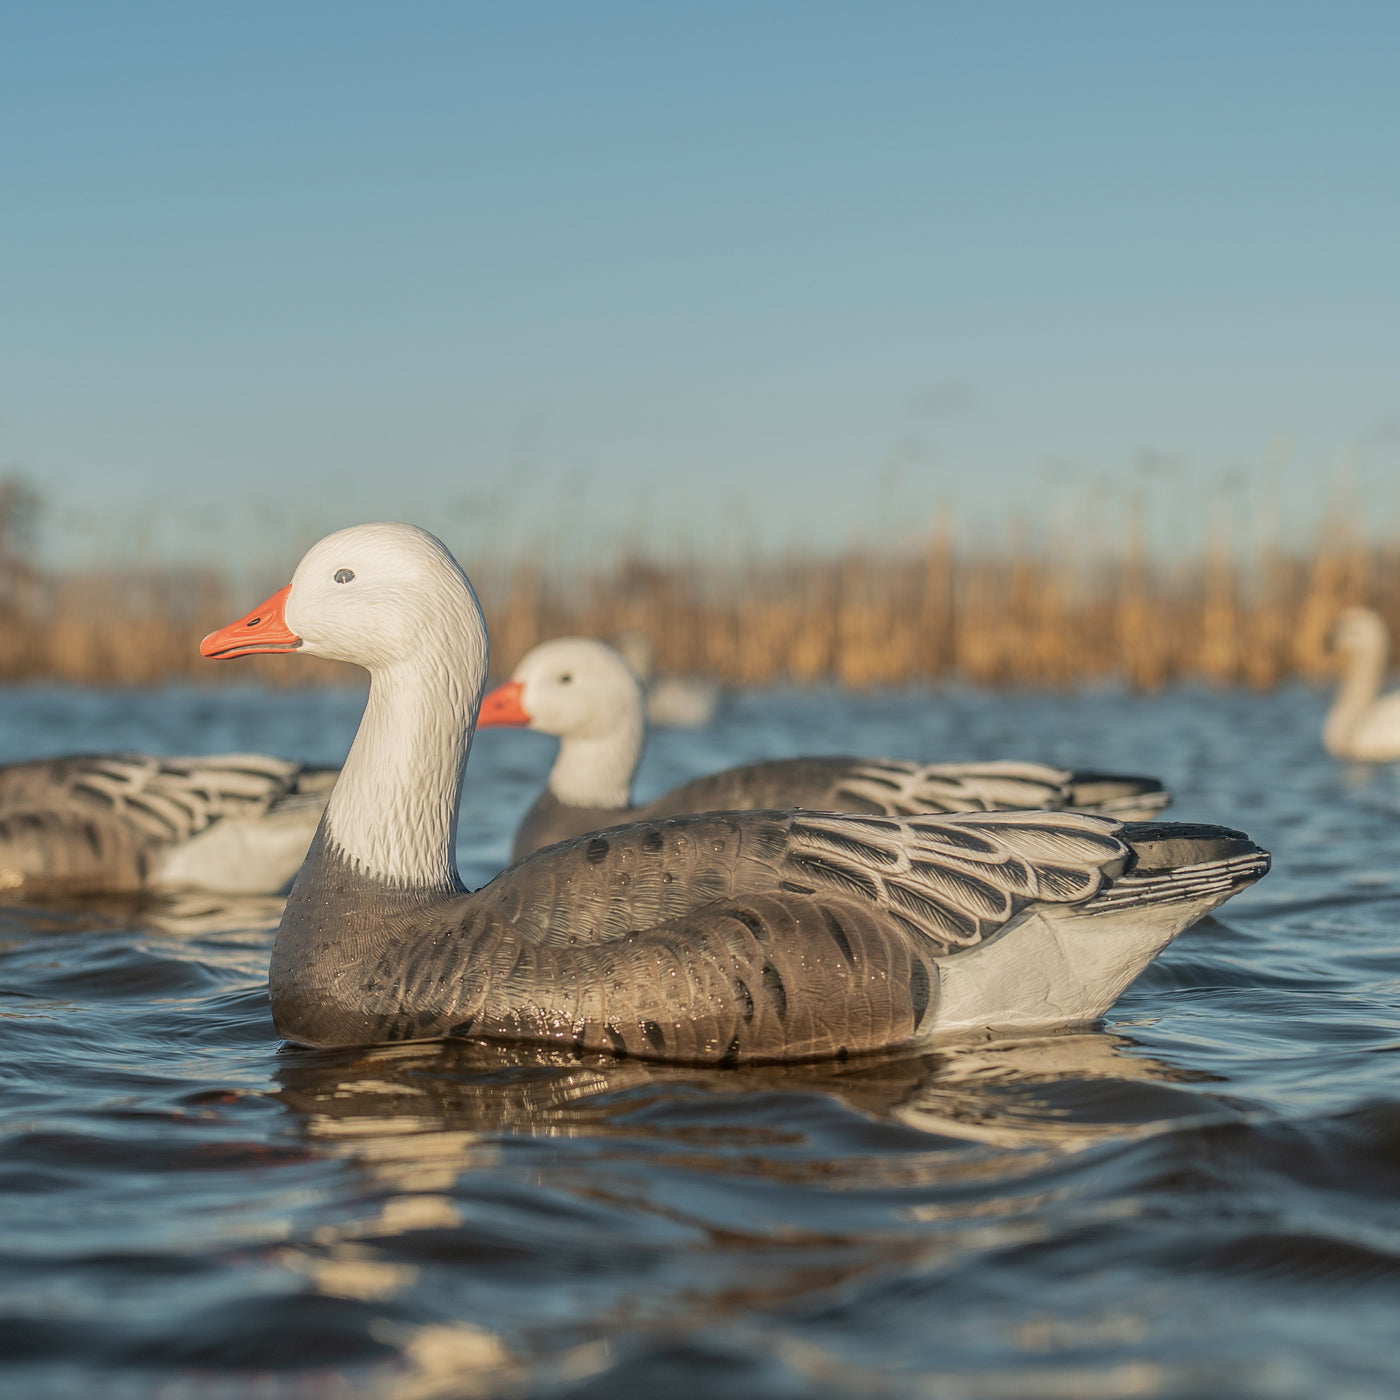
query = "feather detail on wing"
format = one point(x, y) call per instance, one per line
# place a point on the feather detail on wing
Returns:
point(907, 789)
point(955, 881)
point(901, 788)
point(1187, 882)
point(173, 799)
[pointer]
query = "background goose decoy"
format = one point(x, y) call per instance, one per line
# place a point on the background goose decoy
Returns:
point(1363, 723)
point(582, 691)
point(672, 702)
point(130, 823)
point(716, 938)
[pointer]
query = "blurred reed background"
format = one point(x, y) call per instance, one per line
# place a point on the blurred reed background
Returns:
point(1025, 609)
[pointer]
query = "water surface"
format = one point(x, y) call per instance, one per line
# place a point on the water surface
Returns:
point(1200, 1197)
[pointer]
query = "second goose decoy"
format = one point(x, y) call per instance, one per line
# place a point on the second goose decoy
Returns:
point(583, 692)
point(719, 938)
point(135, 823)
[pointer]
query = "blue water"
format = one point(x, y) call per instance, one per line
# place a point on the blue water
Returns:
point(1201, 1197)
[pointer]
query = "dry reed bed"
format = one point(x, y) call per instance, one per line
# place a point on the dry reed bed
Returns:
point(1019, 617)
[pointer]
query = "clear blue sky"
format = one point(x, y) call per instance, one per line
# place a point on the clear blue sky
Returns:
point(788, 271)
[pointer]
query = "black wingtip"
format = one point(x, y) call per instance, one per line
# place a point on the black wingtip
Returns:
point(1170, 845)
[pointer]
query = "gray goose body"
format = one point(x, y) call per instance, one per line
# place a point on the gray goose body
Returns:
point(883, 787)
point(742, 937)
point(715, 938)
point(131, 823)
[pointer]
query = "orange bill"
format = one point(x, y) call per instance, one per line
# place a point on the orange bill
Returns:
point(264, 629)
point(502, 706)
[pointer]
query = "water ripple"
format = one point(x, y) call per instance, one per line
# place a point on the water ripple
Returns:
point(1197, 1198)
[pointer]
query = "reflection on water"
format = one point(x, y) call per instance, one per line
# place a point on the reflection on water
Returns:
point(1053, 1089)
point(1197, 1199)
point(918, 1159)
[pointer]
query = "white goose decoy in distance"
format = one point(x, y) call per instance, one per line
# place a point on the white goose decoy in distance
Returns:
point(134, 823)
point(583, 692)
point(719, 938)
point(1362, 723)
point(672, 702)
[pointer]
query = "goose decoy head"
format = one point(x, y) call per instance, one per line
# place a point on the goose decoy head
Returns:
point(373, 595)
point(573, 687)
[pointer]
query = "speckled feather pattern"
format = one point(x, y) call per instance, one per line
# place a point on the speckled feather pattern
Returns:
point(720, 938)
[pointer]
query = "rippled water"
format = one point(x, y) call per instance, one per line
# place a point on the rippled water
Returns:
point(1199, 1198)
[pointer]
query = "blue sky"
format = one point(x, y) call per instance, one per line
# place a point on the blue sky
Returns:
point(786, 273)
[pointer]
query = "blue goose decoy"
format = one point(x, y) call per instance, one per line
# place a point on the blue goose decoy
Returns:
point(720, 938)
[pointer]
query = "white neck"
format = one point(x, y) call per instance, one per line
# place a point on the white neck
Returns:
point(393, 813)
point(1361, 683)
point(596, 771)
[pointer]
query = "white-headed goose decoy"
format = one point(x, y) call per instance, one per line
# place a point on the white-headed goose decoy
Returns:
point(134, 823)
point(717, 938)
point(583, 692)
point(1363, 723)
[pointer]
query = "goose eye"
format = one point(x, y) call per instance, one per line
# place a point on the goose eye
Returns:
point(565, 678)
point(344, 575)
